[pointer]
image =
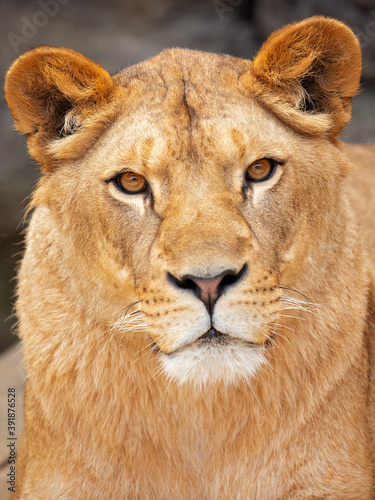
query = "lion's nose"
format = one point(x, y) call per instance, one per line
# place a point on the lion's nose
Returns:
point(211, 288)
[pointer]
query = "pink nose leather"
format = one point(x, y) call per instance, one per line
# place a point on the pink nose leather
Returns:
point(209, 288)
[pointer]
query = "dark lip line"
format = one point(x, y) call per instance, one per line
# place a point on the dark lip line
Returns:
point(218, 335)
point(211, 333)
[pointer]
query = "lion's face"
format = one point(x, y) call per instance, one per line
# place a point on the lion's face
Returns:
point(203, 247)
point(200, 205)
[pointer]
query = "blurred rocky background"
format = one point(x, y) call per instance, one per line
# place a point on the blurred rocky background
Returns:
point(118, 33)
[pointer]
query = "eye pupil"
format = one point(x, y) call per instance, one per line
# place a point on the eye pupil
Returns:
point(132, 183)
point(260, 170)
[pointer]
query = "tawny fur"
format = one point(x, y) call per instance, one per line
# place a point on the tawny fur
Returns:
point(123, 399)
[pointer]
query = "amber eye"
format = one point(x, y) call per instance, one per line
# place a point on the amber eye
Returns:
point(260, 170)
point(131, 183)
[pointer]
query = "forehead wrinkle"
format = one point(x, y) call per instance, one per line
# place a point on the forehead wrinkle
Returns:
point(239, 141)
point(145, 149)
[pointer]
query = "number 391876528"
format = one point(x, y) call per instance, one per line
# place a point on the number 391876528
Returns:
point(11, 411)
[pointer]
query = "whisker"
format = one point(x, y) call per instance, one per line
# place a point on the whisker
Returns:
point(107, 341)
point(303, 306)
point(275, 345)
point(143, 348)
point(284, 326)
point(131, 321)
point(278, 334)
point(156, 375)
point(298, 301)
point(292, 317)
point(283, 287)
point(153, 348)
point(255, 396)
point(268, 366)
point(296, 308)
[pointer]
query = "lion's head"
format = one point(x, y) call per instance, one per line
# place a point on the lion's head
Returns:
point(193, 191)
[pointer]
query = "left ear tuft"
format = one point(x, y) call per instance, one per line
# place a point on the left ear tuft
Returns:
point(53, 93)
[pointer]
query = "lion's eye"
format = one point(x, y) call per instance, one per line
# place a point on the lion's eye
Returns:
point(260, 170)
point(131, 182)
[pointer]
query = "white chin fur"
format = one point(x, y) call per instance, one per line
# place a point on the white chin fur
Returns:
point(200, 365)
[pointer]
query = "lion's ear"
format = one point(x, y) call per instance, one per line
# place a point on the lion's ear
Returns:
point(307, 72)
point(51, 93)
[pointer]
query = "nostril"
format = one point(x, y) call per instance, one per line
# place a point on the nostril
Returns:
point(184, 283)
point(231, 278)
point(208, 289)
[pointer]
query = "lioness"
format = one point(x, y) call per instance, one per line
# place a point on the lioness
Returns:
point(196, 300)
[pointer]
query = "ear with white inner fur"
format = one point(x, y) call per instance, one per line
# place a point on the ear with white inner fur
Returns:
point(53, 93)
point(306, 74)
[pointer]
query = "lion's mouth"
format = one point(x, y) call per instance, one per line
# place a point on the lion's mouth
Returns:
point(213, 336)
point(213, 357)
